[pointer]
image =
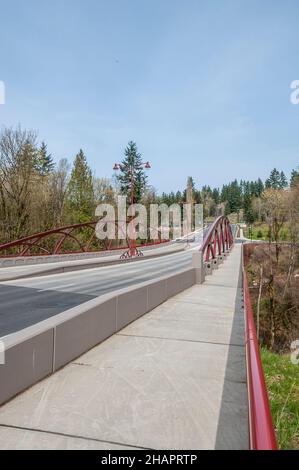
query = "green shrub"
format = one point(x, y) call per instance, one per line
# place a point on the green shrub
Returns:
point(259, 234)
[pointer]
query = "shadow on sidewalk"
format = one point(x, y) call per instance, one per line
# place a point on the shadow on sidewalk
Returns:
point(232, 430)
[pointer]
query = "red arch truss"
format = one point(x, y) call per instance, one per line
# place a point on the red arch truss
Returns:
point(218, 239)
point(34, 244)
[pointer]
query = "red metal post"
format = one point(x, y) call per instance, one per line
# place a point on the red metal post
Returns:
point(132, 214)
point(132, 251)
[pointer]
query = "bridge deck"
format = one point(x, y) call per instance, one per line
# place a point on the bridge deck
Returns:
point(174, 379)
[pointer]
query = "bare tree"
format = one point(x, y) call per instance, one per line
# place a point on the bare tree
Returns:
point(58, 182)
point(18, 154)
point(293, 226)
point(103, 190)
point(274, 209)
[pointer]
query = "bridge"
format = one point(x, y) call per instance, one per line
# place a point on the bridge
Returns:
point(157, 353)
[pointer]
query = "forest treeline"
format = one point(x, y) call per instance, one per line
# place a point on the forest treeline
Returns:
point(37, 193)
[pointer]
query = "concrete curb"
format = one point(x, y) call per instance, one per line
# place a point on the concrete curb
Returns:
point(38, 351)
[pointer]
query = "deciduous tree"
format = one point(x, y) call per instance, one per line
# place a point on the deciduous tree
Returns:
point(80, 204)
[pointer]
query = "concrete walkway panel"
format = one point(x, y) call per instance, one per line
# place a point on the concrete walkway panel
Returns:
point(173, 379)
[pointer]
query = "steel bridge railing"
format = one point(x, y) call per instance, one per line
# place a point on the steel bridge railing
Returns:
point(261, 430)
point(218, 239)
point(32, 245)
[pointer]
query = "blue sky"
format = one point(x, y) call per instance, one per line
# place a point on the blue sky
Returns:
point(203, 87)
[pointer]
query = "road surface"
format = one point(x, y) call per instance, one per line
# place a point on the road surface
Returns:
point(24, 302)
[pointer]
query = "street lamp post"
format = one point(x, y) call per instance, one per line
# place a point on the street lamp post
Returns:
point(133, 251)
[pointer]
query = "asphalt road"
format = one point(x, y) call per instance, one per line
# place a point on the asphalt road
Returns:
point(25, 302)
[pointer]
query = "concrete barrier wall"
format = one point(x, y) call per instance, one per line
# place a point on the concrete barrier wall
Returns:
point(36, 352)
point(80, 333)
point(32, 260)
point(180, 282)
point(26, 362)
point(130, 306)
point(156, 294)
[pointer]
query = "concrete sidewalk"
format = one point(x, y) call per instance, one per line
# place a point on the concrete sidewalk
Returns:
point(173, 379)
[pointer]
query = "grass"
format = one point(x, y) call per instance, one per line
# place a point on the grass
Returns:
point(282, 378)
point(260, 232)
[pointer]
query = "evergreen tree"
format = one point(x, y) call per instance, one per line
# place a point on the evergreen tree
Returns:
point(177, 198)
point(294, 177)
point(132, 163)
point(253, 188)
point(283, 180)
point(80, 194)
point(207, 190)
point(44, 164)
point(247, 199)
point(172, 197)
point(242, 183)
point(260, 187)
point(276, 180)
point(224, 193)
point(164, 198)
point(190, 183)
point(206, 193)
point(197, 197)
point(234, 197)
point(249, 216)
point(216, 195)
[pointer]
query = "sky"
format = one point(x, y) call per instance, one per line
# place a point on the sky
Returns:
point(203, 87)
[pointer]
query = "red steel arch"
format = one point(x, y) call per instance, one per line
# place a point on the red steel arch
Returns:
point(25, 245)
point(218, 239)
